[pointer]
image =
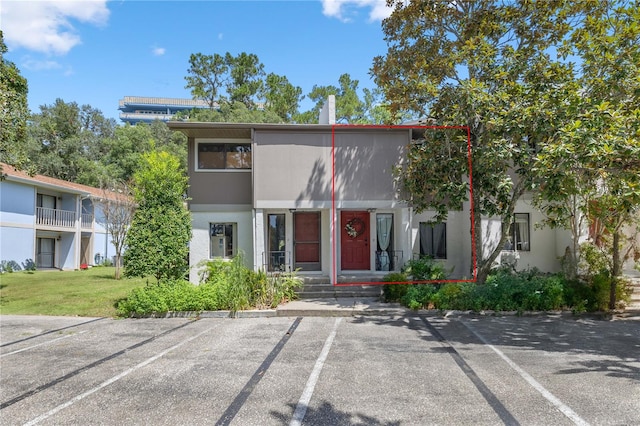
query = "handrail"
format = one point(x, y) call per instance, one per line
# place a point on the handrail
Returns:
point(55, 217)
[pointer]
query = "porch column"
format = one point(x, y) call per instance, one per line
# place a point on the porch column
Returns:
point(258, 238)
point(406, 234)
point(78, 234)
point(333, 267)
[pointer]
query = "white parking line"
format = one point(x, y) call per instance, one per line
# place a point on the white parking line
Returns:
point(113, 379)
point(43, 343)
point(564, 409)
point(303, 403)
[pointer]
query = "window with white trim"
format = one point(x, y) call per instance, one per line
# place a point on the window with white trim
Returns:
point(433, 240)
point(519, 235)
point(223, 156)
point(222, 241)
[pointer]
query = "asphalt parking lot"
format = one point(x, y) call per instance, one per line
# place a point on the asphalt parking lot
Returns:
point(362, 370)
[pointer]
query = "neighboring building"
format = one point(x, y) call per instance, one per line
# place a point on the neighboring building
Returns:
point(134, 109)
point(57, 224)
point(266, 190)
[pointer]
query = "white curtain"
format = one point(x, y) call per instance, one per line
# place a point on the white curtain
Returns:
point(384, 221)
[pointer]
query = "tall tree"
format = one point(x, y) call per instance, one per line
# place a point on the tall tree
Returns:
point(592, 166)
point(158, 240)
point(246, 82)
point(208, 74)
point(488, 65)
point(281, 96)
point(13, 112)
point(65, 140)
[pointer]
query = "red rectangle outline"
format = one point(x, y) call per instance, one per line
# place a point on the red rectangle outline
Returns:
point(334, 230)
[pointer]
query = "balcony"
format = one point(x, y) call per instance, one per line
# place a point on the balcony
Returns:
point(86, 221)
point(55, 217)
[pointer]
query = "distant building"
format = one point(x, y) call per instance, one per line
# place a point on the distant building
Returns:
point(52, 222)
point(134, 109)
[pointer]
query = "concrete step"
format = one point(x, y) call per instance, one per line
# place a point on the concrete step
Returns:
point(323, 290)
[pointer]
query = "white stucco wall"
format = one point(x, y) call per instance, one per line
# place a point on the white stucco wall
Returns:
point(199, 245)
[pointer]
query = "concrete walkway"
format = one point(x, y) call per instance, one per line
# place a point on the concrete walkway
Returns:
point(339, 307)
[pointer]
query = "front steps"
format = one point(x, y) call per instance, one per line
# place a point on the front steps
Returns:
point(320, 287)
point(634, 304)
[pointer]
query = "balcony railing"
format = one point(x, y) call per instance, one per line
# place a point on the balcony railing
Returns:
point(87, 220)
point(55, 217)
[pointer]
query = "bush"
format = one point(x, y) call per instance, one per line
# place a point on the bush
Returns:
point(228, 285)
point(414, 296)
point(9, 266)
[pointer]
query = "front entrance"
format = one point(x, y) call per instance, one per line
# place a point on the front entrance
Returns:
point(354, 241)
point(306, 241)
point(45, 252)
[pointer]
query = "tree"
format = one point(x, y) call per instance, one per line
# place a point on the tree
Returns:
point(157, 242)
point(235, 112)
point(591, 167)
point(118, 208)
point(282, 97)
point(66, 141)
point(14, 112)
point(246, 74)
point(208, 74)
point(349, 107)
point(488, 65)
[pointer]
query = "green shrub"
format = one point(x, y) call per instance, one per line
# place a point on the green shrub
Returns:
point(418, 296)
point(394, 292)
point(425, 268)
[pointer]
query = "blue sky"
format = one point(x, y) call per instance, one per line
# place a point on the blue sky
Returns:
point(96, 52)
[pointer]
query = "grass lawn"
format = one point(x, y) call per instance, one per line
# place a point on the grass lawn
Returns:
point(91, 293)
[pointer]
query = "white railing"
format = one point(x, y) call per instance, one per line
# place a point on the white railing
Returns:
point(55, 217)
point(87, 220)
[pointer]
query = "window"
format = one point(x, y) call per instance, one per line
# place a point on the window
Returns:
point(518, 233)
point(219, 156)
point(433, 240)
point(223, 240)
point(277, 256)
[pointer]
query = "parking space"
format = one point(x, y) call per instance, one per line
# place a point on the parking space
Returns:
point(373, 370)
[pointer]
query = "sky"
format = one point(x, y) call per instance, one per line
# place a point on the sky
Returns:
point(97, 52)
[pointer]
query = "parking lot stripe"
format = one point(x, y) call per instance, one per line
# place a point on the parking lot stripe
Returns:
point(489, 396)
point(303, 403)
point(87, 367)
point(49, 332)
point(114, 379)
point(564, 409)
point(239, 400)
point(43, 343)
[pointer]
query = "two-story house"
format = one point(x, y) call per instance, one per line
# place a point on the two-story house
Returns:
point(57, 224)
point(323, 199)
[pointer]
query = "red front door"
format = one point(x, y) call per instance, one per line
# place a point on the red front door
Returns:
point(354, 240)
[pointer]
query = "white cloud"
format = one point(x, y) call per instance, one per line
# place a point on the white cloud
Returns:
point(38, 65)
point(220, 35)
point(341, 9)
point(45, 26)
point(158, 51)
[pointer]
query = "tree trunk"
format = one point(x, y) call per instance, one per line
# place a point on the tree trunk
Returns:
point(615, 271)
point(118, 257)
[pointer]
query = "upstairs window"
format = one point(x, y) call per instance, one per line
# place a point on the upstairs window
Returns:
point(224, 156)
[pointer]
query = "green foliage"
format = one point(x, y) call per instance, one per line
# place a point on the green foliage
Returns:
point(226, 285)
point(425, 268)
point(157, 242)
point(394, 292)
point(486, 65)
point(414, 296)
point(14, 112)
point(505, 290)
